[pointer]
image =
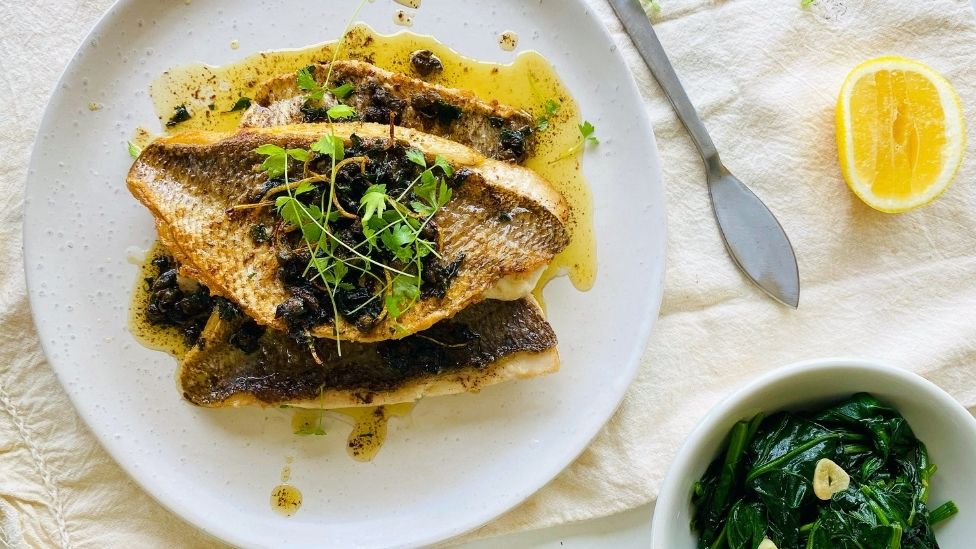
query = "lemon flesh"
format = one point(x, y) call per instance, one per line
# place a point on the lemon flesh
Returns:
point(900, 133)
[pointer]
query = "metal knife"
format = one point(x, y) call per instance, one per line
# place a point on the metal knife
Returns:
point(754, 238)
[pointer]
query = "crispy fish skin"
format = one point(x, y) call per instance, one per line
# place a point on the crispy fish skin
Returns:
point(455, 114)
point(488, 343)
point(188, 181)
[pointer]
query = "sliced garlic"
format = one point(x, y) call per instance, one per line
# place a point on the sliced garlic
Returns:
point(767, 544)
point(829, 478)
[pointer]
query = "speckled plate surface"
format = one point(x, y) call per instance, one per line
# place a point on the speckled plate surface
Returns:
point(457, 461)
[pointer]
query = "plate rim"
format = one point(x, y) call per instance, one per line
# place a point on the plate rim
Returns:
point(524, 491)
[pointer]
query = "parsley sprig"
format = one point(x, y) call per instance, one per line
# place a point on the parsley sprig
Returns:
point(316, 92)
point(586, 137)
point(276, 161)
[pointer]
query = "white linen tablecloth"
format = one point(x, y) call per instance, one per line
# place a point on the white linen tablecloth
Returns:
point(764, 75)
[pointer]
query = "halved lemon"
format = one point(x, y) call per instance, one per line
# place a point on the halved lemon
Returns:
point(900, 133)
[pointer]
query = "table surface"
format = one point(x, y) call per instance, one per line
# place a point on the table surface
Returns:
point(623, 530)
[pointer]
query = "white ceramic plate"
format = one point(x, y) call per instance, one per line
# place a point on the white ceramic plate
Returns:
point(458, 461)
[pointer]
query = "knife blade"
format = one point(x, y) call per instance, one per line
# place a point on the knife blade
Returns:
point(753, 236)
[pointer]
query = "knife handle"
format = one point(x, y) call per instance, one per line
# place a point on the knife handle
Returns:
point(642, 33)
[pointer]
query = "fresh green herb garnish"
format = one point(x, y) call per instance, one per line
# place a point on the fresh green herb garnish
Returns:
point(241, 104)
point(277, 158)
point(587, 137)
point(311, 429)
point(309, 218)
point(406, 291)
point(134, 150)
point(343, 91)
point(549, 110)
point(441, 162)
point(306, 430)
point(180, 114)
point(341, 111)
point(434, 192)
point(390, 224)
point(306, 82)
point(314, 91)
point(763, 486)
point(330, 145)
point(373, 202)
point(417, 157)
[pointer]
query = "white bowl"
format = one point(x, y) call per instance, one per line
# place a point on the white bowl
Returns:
point(947, 429)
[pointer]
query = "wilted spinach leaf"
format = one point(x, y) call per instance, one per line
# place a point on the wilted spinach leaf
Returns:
point(761, 485)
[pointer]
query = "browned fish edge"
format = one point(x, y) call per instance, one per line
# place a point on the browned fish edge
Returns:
point(496, 130)
point(522, 345)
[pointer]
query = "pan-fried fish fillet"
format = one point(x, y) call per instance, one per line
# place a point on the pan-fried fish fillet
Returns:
point(487, 343)
point(497, 131)
point(505, 220)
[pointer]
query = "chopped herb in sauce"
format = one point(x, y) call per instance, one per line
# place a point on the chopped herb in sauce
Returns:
point(242, 104)
point(549, 110)
point(180, 114)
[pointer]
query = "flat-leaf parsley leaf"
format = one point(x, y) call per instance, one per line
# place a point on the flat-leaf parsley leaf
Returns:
point(340, 111)
point(373, 202)
point(331, 145)
point(343, 91)
point(549, 110)
point(306, 82)
point(277, 158)
point(587, 137)
point(416, 157)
